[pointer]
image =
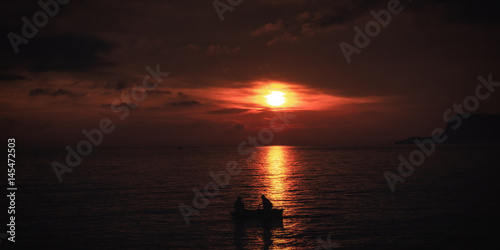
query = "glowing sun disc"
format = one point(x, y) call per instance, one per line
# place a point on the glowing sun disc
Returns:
point(276, 98)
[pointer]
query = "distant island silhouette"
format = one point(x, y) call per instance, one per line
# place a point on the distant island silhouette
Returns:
point(476, 129)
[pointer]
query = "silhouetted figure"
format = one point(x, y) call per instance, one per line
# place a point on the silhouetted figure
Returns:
point(238, 205)
point(266, 204)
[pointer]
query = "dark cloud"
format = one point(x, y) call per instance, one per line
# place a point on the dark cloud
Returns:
point(480, 11)
point(117, 85)
point(238, 126)
point(332, 19)
point(182, 95)
point(229, 111)
point(108, 105)
point(467, 11)
point(11, 77)
point(158, 92)
point(59, 53)
point(186, 103)
point(59, 92)
point(37, 92)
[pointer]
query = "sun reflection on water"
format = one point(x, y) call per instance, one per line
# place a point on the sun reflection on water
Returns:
point(277, 172)
point(277, 169)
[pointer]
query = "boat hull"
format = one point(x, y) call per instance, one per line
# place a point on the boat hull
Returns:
point(274, 214)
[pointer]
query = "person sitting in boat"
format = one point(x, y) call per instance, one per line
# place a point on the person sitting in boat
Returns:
point(266, 203)
point(238, 205)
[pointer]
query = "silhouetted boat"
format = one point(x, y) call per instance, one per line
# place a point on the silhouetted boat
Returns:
point(274, 214)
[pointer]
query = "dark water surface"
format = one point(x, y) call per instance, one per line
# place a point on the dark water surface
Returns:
point(129, 198)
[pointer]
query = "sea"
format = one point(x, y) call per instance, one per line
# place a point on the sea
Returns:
point(333, 198)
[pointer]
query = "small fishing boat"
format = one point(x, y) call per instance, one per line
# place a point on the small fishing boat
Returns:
point(273, 214)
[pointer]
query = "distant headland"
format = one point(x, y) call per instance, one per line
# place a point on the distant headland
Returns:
point(469, 129)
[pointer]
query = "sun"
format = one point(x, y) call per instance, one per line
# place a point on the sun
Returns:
point(276, 98)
